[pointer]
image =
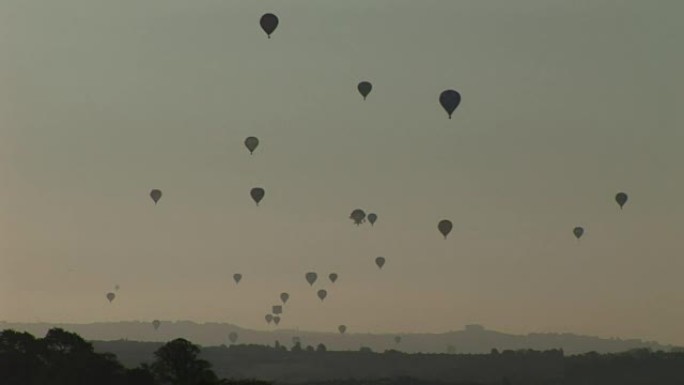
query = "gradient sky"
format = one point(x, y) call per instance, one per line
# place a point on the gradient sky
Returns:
point(565, 103)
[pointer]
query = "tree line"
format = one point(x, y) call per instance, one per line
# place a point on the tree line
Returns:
point(64, 358)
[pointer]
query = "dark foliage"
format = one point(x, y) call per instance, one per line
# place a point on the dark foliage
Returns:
point(64, 358)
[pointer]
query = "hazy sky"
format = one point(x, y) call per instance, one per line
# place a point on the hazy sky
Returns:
point(565, 103)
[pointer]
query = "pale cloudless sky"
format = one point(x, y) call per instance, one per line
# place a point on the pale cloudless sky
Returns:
point(565, 103)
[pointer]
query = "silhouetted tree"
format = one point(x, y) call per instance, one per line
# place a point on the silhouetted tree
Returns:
point(321, 348)
point(60, 358)
point(297, 347)
point(177, 363)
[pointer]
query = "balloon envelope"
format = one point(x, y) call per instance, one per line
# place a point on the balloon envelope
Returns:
point(269, 22)
point(111, 296)
point(332, 277)
point(372, 217)
point(380, 261)
point(342, 329)
point(269, 318)
point(251, 143)
point(445, 227)
point(277, 309)
point(257, 194)
point(358, 216)
point(284, 297)
point(155, 195)
point(449, 100)
point(311, 277)
point(322, 294)
point(233, 337)
point(276, 320)
point(237, 277)
point(578, 231)
point(621, 198)
point(156, 324)
point(364, 89)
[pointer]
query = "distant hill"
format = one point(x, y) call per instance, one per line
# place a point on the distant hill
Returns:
point(473, 339)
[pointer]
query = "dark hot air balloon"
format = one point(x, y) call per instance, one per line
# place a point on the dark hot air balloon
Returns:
point(358, 216)
point(257, 194)
point(445, 227)
point(397, 339)
point(342, 329)
point(111, 296)
point(578, 231)
point(372, 217)
point(322, 294)
point(311, 277)
point(237, 277)
point(621, 199)
point(276, 320)
point(269, 22)
point(268, 318)
point(251, 143)
point(156, 323)
point(155, 195)
point(277, 309)
point(449, 100)
point(364, 89)
point(284, 297)
point(380, 261)
point(233, 337)
point(332, 277)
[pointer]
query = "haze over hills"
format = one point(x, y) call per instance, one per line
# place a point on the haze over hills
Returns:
point(472, 339)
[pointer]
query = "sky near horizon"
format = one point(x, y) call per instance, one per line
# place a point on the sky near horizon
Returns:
point(564, 104)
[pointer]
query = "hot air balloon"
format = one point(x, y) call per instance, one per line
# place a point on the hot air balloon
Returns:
point(284, 297)
point(332, 277)
point(111, 296)
point(578, 231)
point(276, 320)
point(277, 309)
point(269, 22)
point(311, 277)
point(257, 194)
point(621, 199)
point(156, 323)
point(364, 89)
point(251, 143)
point(372, 217)
point(380, 261)
point(116, 287)
point(358, 216)
point(155, 195)
point(237, 277)
point(449, 100)
point(397, 339)
point(342, 329)
point(445, 227)
point(322, 294)
point(268, 318)
point(233, 337)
